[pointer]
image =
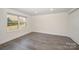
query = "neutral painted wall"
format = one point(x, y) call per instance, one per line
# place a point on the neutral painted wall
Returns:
point(52, 24)
point(7, 36)
point(74, 26)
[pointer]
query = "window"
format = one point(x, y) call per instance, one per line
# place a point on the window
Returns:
point(15, 22)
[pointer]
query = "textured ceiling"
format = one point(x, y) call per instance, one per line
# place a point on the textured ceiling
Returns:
point(41, 11)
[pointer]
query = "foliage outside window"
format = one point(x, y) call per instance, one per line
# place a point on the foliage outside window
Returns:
point(15, 22)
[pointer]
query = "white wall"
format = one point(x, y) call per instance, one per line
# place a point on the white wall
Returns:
point(6, 36)
point(74, 26)
point(51, 24)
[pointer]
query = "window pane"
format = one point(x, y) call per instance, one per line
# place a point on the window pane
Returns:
point(22, 22)
point(15, 22)
point(12, 22)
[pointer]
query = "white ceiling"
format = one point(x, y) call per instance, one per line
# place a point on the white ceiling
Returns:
point(41, 11)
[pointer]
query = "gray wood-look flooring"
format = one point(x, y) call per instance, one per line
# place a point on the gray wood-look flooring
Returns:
point(40, 41)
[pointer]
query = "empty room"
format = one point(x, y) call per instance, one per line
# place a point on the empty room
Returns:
point(39, 29)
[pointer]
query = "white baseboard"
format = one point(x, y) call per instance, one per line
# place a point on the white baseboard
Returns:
point(75, 40)
point(53, 33)
point(13, 38)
